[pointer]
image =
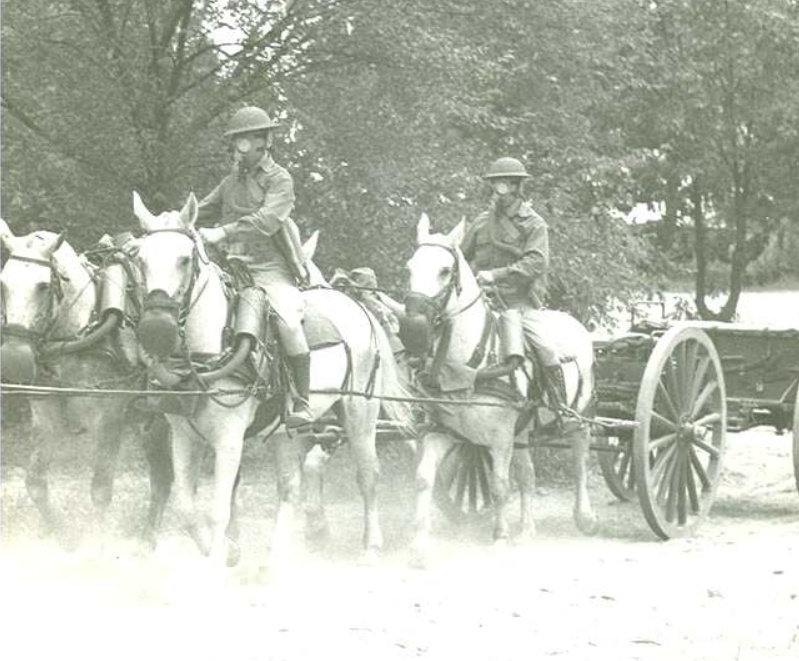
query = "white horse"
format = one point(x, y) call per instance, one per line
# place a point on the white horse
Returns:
point(62, 327)
point(185, 302)
point(442, 280)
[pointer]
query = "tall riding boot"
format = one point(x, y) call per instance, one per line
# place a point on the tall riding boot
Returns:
point(301, 412)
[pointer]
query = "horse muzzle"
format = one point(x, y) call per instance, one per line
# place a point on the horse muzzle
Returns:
point(415, 331)
point(18, 358)
point(159, 331)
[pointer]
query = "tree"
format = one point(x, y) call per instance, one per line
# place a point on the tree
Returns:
point(131, 94)
point(714, 100)
point(428, 95)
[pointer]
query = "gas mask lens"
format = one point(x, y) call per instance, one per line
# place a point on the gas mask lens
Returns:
point(502, 187)
point(243, 145)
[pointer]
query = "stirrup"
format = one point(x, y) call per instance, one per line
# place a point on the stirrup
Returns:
point(301, 415)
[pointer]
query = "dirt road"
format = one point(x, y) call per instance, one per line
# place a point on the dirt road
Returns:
point(731, 592)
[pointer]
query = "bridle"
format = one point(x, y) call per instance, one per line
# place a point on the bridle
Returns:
point(435, 307)
point(182, 307)
point(54, 299)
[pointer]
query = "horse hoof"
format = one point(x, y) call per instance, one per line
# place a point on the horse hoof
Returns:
point(317, 533)
point(500, 543)
point(69, 540)
point(148, 541)
point(371, 558)
point(233, 553)
point(419, 560)
point(588, 525)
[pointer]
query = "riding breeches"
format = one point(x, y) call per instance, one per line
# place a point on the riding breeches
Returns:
point(521, 325)
point(289, 306)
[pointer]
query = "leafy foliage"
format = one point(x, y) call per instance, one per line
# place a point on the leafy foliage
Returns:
point(388, 109)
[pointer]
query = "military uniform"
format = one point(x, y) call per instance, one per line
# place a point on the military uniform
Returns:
point(254, 208)
point(512, 244)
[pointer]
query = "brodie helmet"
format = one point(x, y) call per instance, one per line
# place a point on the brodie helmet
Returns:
point(249, 118)
point(506, 167)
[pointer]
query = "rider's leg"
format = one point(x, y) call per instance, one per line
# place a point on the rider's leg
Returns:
point(299, 358)
point(554, 381)
point(288, 305)
point(511, 343)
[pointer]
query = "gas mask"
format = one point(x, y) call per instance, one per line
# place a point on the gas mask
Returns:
point(242, 147)
point(502, 188)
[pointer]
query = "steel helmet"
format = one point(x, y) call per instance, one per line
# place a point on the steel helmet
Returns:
point(506, 167)
point(249, 118)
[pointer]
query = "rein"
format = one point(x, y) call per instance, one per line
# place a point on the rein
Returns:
point(442, 321)
point(186, 305)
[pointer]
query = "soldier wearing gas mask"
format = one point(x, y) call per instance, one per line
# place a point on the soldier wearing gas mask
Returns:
point(251, 210)
point(508, 248)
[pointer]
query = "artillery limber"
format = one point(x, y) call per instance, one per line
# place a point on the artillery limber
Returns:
point(666, 395)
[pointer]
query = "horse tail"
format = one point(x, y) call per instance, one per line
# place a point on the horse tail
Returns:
point(395, 396)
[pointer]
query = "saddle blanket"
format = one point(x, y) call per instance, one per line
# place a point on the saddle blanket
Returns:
point(319, 330)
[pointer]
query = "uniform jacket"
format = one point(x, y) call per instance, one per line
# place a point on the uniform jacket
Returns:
point(513, 244)
point(254, 208)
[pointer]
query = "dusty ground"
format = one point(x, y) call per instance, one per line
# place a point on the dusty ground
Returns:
point(732, 592)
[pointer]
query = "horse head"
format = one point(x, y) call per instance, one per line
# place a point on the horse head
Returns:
point(438, 278)
point(169, 256)
point(47, 294)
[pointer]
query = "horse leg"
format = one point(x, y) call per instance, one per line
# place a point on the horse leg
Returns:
point(433, 448)
point(233, 532)
point(360, 423)
point(289, 487)
point(584, 515)
point(523, 472)
point(185, 455)
point(108, 429)
point(44, 429)
point(501, 455)
point(317, 528)
point(157, 449)
point(38, 488)
point(227, 461)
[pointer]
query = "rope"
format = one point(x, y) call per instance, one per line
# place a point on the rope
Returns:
point(81, 392)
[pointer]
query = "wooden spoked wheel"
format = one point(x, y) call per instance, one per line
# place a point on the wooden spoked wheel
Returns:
point(679, 444)
point(462, 485)
point(796, 439)
point(615, 457)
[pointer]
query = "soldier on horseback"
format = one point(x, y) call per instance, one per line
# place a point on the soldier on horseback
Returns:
point(508, 248)
point(251, 208)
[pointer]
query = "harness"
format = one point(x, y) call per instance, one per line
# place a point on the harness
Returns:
point(434, 308)
point(55, 297)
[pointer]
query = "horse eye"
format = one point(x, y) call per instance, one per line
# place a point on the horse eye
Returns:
point(184, 261)
point(42, 287)
point(446, 272)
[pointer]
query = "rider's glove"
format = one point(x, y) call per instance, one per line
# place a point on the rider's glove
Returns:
point(485, 278)
point(212, 235)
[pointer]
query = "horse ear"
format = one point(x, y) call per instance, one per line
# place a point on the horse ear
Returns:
point(457, 233)
point(423, 228)
point(7, 238)
point(188, 214)
point(309, 247)
point(145, 216)
point(52, 246)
